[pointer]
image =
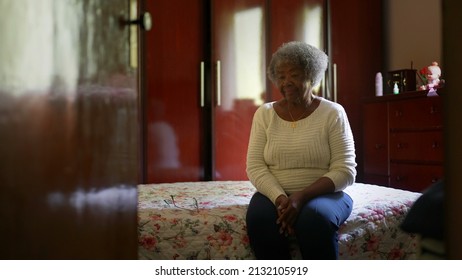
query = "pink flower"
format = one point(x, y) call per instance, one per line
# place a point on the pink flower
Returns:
point(225, 238)
point(373, 243)
point(220, 239)
point(245, 239)
point(230, 218)
point(157, 226)
point(179, 242)
point(395, 254)
point(157, 218)
point(148, 242)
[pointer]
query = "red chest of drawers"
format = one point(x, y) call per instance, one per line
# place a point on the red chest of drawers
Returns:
point(403, 140)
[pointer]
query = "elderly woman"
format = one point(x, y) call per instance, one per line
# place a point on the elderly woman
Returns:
point(300, 158)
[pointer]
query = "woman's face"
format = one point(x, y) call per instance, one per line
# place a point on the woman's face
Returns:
point(291, 81)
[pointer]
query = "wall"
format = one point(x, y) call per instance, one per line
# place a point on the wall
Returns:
point(413, 33)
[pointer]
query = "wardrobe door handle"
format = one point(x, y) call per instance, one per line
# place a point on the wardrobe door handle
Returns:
point(400, 178)
point(218, 83)
point(144, 21)
point(434, 109)
point(379, 146)
point(202, 85)
point(334, 68)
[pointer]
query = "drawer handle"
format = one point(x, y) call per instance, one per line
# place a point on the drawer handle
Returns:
point(379, 146)
point(401, 145)
point(398, 113)
point(400, 178)
point(435, 145)
point(433, 110)
point(434, 180)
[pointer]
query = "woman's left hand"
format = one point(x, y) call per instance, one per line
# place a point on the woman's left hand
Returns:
point(289, 213)
point(282, 202)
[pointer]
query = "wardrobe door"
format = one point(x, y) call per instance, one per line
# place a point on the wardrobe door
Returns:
point(239, 79)
point(172, 81)
point(297, 20)
point(356, 52)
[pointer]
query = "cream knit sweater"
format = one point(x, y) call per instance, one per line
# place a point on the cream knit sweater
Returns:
point(283, 160)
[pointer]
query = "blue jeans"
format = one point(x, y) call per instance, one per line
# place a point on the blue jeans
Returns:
point(315, 228)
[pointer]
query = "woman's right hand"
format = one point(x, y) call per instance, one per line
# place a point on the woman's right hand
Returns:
point(282, 205)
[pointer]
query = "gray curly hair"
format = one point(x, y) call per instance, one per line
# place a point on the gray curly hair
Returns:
point(311, 59)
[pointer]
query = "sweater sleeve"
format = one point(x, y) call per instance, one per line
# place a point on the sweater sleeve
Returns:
point(257, 169)
point(342, 168)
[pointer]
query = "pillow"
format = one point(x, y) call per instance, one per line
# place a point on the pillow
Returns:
point(426, 216)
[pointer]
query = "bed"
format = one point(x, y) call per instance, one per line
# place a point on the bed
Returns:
point(206, 220)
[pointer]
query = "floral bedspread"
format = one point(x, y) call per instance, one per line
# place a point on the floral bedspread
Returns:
point(206, 220)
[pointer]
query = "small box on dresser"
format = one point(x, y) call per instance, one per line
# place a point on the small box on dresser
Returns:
point(404, 78)
point(403, 140)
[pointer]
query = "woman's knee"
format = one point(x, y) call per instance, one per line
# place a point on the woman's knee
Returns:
point(261, 211)
point(335, 208)
point(310, 221)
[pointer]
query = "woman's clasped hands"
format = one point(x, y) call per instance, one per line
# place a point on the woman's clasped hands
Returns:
point(288, 209)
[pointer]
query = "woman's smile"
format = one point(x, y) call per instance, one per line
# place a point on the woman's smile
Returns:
point(290, 91)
